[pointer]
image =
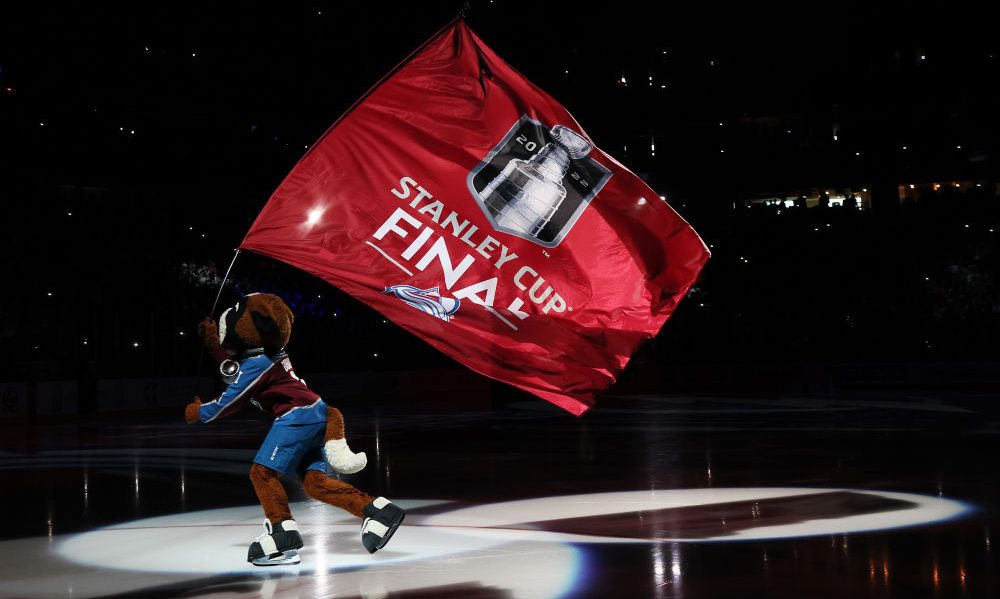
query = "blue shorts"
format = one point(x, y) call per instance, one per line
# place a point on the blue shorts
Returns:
point(295, 441)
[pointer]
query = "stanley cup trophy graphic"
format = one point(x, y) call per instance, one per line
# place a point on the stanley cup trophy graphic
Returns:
point(527, 193)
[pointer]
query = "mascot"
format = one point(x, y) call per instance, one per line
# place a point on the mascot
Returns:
point(306, 438)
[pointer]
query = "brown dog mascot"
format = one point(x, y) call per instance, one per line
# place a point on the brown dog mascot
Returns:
point(307, 436)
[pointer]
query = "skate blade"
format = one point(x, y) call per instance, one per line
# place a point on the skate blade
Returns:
point(287, 558)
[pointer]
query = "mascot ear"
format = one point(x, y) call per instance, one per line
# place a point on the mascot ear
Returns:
point(267, 328)
point(266, 322)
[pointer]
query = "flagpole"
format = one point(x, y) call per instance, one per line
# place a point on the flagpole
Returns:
point(211, 313)
point(223, 282)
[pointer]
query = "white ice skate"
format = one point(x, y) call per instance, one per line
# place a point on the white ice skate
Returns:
point(277, 546)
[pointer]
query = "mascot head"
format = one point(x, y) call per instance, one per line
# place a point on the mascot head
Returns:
point(258, 322)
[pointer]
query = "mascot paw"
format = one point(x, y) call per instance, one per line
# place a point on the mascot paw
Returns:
point(209, 333)
point(192, 412)
point(208, 328)
point(342, 459)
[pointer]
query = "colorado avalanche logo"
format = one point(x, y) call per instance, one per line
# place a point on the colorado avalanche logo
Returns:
point(427, 300)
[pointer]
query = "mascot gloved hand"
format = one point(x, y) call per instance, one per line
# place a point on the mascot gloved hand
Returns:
point(192, 413)
point(306, 437)
point(209, 333)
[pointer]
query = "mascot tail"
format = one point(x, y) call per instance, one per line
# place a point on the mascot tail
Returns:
point(335, 449)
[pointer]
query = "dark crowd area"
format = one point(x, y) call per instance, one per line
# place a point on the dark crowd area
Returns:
point(915, 283)
point(834, 284)
point(138, 145)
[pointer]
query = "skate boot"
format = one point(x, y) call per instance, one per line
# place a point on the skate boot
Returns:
point(382, 518)
point(277, 546)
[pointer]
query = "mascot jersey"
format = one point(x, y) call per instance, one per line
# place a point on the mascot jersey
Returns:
point(268, 382)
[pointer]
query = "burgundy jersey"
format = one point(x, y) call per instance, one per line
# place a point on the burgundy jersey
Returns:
point(268, 382)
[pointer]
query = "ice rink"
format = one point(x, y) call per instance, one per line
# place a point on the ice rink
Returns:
point(646, 496)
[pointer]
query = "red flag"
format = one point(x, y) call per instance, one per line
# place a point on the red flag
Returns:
point(466, 205)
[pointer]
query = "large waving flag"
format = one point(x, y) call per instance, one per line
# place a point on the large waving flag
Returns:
point(467, 206)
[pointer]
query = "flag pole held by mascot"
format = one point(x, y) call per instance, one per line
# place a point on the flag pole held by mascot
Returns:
point(306, 438)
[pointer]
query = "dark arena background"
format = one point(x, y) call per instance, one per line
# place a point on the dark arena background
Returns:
point(815, 420)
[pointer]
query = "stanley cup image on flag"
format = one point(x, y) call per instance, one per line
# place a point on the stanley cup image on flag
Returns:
point(470, 208)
